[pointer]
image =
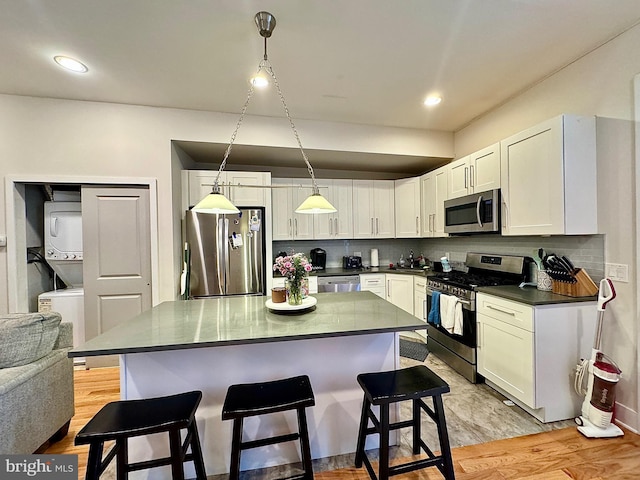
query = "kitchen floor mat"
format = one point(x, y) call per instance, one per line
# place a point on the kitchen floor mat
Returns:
point(414, 350)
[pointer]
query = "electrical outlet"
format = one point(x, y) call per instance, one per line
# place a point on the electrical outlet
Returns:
point(357, 254)
point(617, 272)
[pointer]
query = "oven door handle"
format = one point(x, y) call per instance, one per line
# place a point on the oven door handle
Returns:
point(464, 302)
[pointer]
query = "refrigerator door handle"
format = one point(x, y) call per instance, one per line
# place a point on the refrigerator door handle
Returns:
point(226, 240)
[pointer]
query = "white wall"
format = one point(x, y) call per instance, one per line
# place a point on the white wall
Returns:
point(600, 84)
point(47, 136)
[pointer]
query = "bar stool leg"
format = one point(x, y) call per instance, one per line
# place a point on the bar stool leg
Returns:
point(445, 449)
point(383, 466)
point(196, 451)
point(305, 447)
point(362, 433)
point(234, 467)
point(94, 460)
point(122, 459)
point(417, 410)
point(177, 458)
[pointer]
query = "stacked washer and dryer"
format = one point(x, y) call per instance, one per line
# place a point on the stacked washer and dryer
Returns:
point(63, 251)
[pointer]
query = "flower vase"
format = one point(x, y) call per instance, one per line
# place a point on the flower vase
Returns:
point(294, 291)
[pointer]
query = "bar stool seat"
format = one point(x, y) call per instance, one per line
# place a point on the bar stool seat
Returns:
point(385, 388)
point(251, 399)
point(125, 419)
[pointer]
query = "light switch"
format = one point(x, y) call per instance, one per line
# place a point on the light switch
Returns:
point(3, 240)
point(617, 272)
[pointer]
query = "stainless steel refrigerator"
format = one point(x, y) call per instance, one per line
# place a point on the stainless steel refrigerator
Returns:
point(227, 253)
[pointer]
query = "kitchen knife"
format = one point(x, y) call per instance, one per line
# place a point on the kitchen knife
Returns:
point(569, 264)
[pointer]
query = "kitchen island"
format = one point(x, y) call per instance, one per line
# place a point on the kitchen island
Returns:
point(210, 344)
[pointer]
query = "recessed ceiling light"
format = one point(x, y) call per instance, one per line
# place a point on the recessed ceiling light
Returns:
point(71, 64)
point(432, 100)
point(259, 81)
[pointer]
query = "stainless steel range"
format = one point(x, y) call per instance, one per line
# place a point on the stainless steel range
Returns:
point(459, 351)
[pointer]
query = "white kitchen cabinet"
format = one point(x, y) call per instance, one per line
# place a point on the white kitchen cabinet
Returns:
point(373, 209)
point(419, 299)
point(313, 283)
point(200, 184)
point(529, 353)
point(339, 224)
point(400, 290)
point(374, 282)
point(475, 173)
point(286, 224)
point(548, 178)
point(407, 207)
point(434, 192)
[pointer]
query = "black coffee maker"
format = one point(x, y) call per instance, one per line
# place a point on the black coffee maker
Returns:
point(318, 259)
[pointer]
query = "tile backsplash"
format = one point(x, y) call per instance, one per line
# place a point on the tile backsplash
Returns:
point(585, 251)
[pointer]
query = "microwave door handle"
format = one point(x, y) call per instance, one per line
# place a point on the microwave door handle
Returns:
point(478, 210)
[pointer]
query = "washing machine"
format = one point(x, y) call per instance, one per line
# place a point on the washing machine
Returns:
point(69, 303)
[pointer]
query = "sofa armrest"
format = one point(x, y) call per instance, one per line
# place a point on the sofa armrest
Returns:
point(65, 336)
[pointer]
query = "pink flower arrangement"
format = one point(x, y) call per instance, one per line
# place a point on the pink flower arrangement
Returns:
point(293, 267)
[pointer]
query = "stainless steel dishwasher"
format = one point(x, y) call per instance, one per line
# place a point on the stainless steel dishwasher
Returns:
point(341, 283)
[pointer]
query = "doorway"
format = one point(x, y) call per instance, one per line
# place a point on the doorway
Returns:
point(20, 207)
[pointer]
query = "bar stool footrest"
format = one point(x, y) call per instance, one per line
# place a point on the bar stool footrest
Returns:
point(289, 437)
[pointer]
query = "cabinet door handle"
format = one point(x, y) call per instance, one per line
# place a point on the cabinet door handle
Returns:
point(466, 172)
point(501, 311)
point(330, 226)
point(336, 229)
point(424, 310)
point(418, 225)
point(388, 288)
point(471, 175)
point(432, 222)
point(479, 334)
point(377, 226)
point(372, 232)
point(296, 224)
point(290, 228)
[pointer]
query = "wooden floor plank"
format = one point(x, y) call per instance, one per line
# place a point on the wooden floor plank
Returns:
point(555, 455)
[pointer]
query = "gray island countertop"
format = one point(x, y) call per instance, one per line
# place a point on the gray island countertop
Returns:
point(187, 324)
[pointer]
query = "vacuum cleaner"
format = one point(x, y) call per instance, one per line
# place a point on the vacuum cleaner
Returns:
point(603, 375)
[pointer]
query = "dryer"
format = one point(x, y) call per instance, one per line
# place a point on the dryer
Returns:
point(63, 240)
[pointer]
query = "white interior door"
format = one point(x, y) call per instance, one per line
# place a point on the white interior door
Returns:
point(117, 258)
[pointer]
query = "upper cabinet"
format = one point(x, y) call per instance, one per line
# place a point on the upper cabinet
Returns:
point(288, 225)
point(548, 178)
point(373, 209)
point(474, 173)
point(200, 183)
point(407, 211)
point(434, 191)
point(338, 224)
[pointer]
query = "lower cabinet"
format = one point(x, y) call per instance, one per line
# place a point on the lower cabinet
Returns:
point(529, 353)
point(374, 282)
point(419, 299)
point(400, 291)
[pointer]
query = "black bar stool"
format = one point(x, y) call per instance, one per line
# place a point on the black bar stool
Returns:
point(124, 419)
point(385, 388)
point(251, 399)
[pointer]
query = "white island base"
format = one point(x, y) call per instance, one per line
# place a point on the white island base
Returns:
point(331, 363)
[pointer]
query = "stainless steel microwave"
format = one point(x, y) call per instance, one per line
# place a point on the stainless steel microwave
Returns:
point(475, 213)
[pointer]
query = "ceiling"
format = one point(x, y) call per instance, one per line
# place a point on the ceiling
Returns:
point(366, 62)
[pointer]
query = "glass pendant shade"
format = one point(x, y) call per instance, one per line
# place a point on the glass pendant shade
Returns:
point(215, 203)
point(316, 203)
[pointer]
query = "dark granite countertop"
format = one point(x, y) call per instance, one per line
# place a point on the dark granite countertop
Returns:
point(532, 296)
point(241, 320)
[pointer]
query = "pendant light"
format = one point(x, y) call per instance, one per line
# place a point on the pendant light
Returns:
point(216, 202)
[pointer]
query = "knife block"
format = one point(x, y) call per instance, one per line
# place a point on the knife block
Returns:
point(582, 287)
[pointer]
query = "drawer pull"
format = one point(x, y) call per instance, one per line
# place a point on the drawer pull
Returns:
point(501, 311)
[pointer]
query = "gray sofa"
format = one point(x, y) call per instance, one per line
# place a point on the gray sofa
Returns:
point(36, 381)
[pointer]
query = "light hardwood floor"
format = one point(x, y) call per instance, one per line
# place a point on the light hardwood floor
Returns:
point(555, 455)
